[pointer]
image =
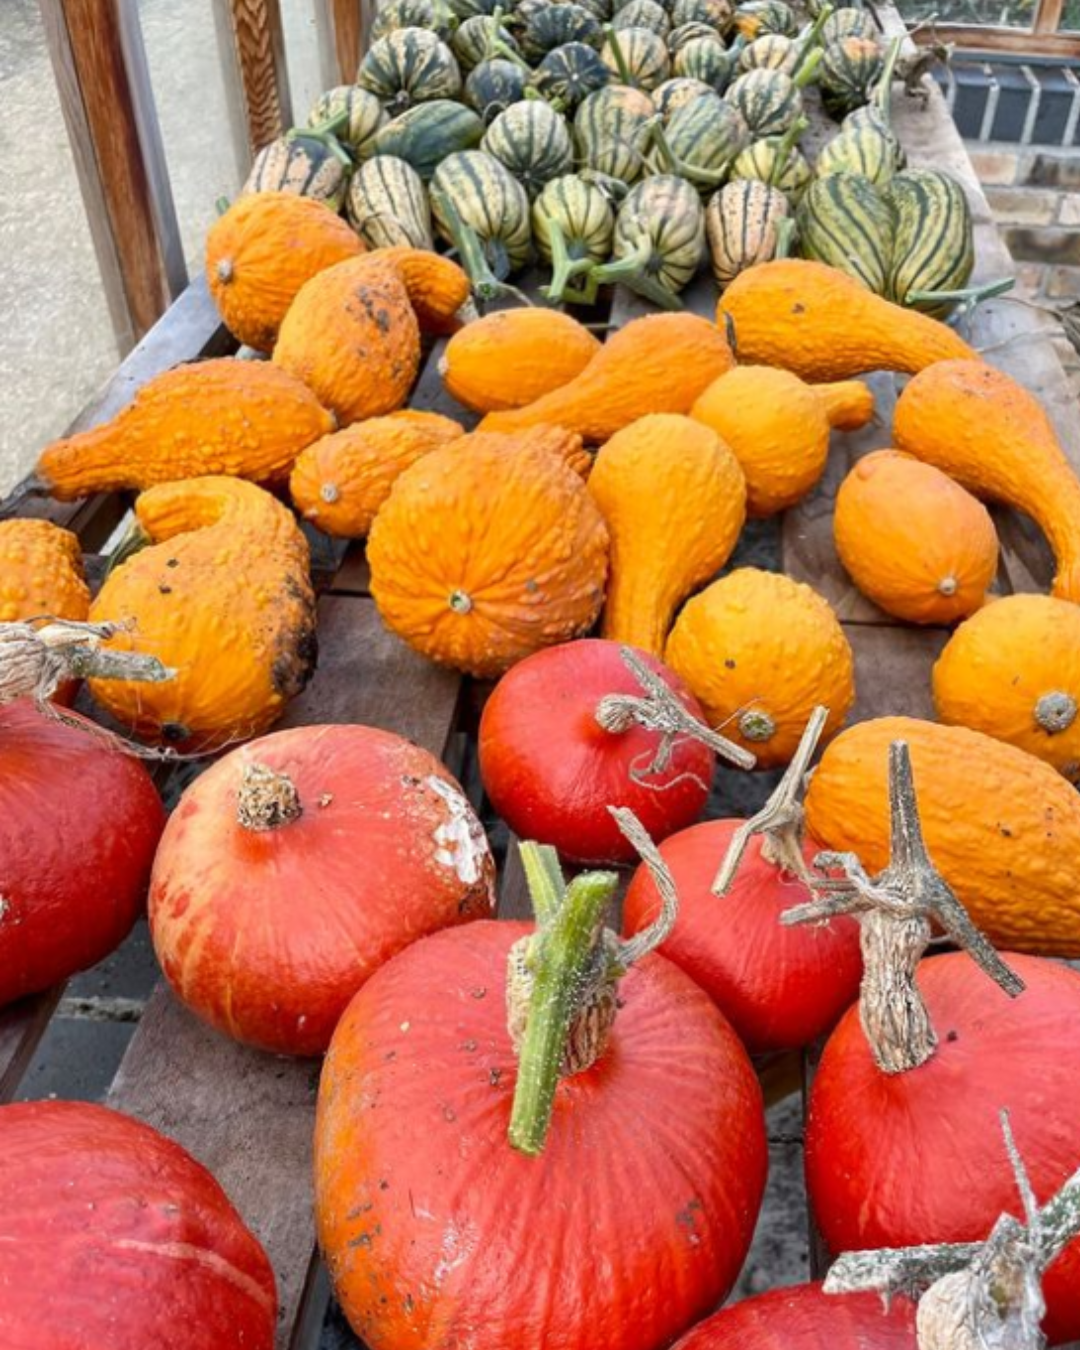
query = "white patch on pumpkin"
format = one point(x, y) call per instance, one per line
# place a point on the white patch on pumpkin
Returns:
point(5, 905)
point(460, 842)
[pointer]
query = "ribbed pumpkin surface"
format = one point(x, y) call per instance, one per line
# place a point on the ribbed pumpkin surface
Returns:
point(805, 1318)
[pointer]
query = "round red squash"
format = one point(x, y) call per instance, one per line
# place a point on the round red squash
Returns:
point(298, 864)
point(779, 987)
point(79, 822)
point(632, 1223)
point(805, 1318)
point(551, 770)
point(115, 1238)
point(903, 1159)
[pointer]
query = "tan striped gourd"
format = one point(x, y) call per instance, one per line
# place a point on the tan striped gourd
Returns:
point(758, 17)
point(572, 224)
point(848, 22)
point(773, 51)
point(409, 66)
point(644, 14)
point(478, 39)
point(767, 100)
point(659, 239)
point(357, 113)
point(741, 223)
point(612, 131)
point(688, 32)
point(636, 56)
point(304, 163)
point(394, 14)
point(704, 59)
point(387, 205)
point(482, 209)
point(772, 161)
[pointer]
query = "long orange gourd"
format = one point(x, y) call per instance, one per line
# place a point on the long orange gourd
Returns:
point(656, 364)
point(983, 429)
point(824, 325)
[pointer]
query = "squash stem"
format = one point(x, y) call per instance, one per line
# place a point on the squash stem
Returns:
point(813, 38)
point(486, 285)
point(563, 267)
point(784, 149)
point(612, 38)
point(691, 172)
point(632, 271)
point(808, 68)
point(326, 138)
point(544, 877)
point(36, 661)
point(330, 127)
point(974, 295)
point(881, 96)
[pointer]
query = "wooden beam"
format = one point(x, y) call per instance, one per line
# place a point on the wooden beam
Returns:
point(989, 38)
point(260, 51)
point(352, 25)
point(99, 63)
point(1048, 16)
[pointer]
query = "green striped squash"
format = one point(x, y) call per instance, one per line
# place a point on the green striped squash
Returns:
point(870, 115)
point(643, 14)
point(468, 9)
point(387, 204)
point(409, 66)
point(305, 164)
point(843, 221)
point(569, 74)
point(848, 71)
point(864, 150)
point(612, 131)
point(532, 141)
point(676, 93)
point(704, 137)
point(434, 14)
point(660, 230)
point(555, 25)
point(474, 40)
point(472, 189)
point(583, 214)
point(705, 60)
point(645, 62)
point(717, 14)
point(771, 52)
point(687, 32)
point(758, 17)
point(932, 246)
point(493, 86)
point(599, 9)
point(741, 223)
point(768, 101)
point(426, 134)
point(362, 112)
point(758, 163)
point(847, 22)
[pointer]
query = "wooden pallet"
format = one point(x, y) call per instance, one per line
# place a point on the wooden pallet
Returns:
point(247, 1115)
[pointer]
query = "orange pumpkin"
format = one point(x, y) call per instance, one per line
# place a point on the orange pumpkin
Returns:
point(513, 356)
point(566, 445)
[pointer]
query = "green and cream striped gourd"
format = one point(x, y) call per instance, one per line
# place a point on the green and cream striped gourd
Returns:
point(701, 141)
point(758, 17)
point(847, 73)
point(844, 221)
point(572, 223)
point(307, 163)
point(426, 134)
point(768, 101)
point(863, 149)
point(659, 239)
point(531, 140)
point(718, 14)
point(555, 25)
point(356, 113)
point(388, 206)
point(771, 52)
point(495, 85)
point(613, 130)
point(742, 222)
point(409, 66)
point(434, 14)
point(637, 57)
point(480, 208)
point(933, 246)
point(643, 14)
point(569, 74)
point(710, 62)
point(772, 161)
point(848, 22)
point(676, 93)
point(479, 39)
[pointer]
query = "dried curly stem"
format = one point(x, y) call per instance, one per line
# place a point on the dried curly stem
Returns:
point(895, 910)
point(35, 662)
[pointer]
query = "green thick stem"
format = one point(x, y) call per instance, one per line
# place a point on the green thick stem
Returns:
point(612, 38)
point(632, 271)
point(813, 39)
point(972, 296)
point(563, 267)
point(546, 883)
point(486, 285)
point(807, 69)
point(560, 957)
point(330, 127)
point(882, 95)
point(325, 137)
point(784, 149)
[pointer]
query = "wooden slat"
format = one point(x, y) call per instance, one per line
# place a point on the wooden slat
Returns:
point(260, 54)
point(22, 1026)
point(992, 38)
point(1048, 16)
point(351, 20)
point(892, 670)
point(246, 1115)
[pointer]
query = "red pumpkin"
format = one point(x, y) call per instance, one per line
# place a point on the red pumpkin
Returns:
point(114, 1238)
point(79, 822)
point(899, 1160)
point(551, 770)
point(276, 895)
point(780, 988)
point(632, 1223)
point(805, 1318)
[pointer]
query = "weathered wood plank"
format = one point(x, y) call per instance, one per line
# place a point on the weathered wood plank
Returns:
point(351, 23)
point(892, 670)
point(260, 54)
point(22, 1026)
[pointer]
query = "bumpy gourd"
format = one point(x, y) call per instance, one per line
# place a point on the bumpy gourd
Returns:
point(262, 250)
point(245, 419)
point(983, 429)
point(564, 445)
point(41, 572)
point(479, 557)
point(437, 287)
point(341, 481)
point(779, 429)
point(822, 325)
point(656, 364)
point(1013, 672)
point(674, 499)
point(1002, 827)
point(513, 356)
point(760, 652)
point(222, 596)
point(913, 540)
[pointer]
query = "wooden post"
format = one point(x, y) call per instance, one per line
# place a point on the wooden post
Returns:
point(260, 51)
point(352, 23)
point(1048, 16)
point(101, 75)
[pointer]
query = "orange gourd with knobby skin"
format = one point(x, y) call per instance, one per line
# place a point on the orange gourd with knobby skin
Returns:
point(1002, 827)
point(760, 652)
point(913, 540)
point(778, 428)
point(656, 364)
point(983, 429)
point(340, 482)
point(352, 336)
point(513, 356)
point(823, 325)
point(1013, 672)
point(480, 556)
point(221, 596)
point(674, 499)
point(262, 250)
point(244, 419)
point(565, 445)
point(437, 287)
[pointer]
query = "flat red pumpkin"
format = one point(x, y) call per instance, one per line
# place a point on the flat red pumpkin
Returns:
point(806, 1318)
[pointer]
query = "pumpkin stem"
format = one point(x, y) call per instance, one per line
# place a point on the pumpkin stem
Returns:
point(784, 149)
point(780, 820)
point(612, 38)
point(266, 799)
point(34, 662)
point(807, 68)
point(881, 95)
point(813, 38)
point(1055, 712)
point(632, 271)
point(563, 267)
point(661, 710)
point(966, 299)
point(485, 284)
point(756, 725)
point(895, 910)
point(562, 981)
point(326, 137)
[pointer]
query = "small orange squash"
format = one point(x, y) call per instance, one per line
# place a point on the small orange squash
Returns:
point(244, 419)
point(656, 364)
point(514, 356)
point(913, 540)
point(674, 499)
point(340, 482)
point(438, 288)
point(262, 250)
point(480, 557)
point(983, 429)
point(1013, 672)
point(760, 652)
point(41, 572)
point(222, 596)
point(566, 445)
point(1002, 827)
point(352, 336)
point(778, 428)
point(824, 325)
